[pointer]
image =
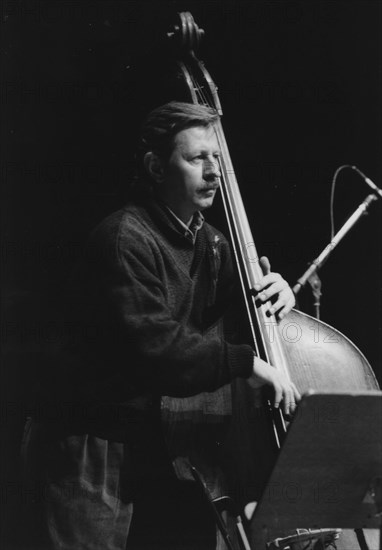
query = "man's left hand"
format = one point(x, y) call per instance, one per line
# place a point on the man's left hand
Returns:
point(273, 286)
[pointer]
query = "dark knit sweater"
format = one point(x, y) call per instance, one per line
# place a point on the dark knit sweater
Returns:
point(142, 308)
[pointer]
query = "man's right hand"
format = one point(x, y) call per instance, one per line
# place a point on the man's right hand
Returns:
point(285, 391)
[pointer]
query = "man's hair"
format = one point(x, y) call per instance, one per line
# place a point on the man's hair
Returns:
point(163, 123)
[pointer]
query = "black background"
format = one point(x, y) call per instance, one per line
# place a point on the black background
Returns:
point(300, 85)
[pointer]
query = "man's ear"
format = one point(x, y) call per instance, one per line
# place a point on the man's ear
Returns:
point(154, 166)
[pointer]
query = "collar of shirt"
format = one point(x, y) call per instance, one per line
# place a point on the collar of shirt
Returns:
point(190, 231)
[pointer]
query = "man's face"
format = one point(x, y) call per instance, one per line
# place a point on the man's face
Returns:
point(191, 175)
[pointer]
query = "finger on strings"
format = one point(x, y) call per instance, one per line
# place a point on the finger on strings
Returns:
point(265, 265)
point(297, 394)
point(278, 397)
point(277, 287)
point(287, 401)
point(281, 308)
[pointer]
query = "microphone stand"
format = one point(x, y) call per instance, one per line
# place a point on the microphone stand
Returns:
point(310, 274)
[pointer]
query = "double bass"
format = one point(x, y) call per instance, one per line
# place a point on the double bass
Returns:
point(203, 432)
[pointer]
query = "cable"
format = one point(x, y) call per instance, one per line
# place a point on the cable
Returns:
point(332, 232)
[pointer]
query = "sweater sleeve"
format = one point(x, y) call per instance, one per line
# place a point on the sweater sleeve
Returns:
point(161, 353)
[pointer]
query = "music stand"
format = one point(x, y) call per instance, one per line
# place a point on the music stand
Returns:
point(329, 470)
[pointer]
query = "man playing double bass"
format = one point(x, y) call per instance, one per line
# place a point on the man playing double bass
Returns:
point(153, 279)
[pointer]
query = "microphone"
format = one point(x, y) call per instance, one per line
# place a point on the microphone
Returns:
point(367, 180)
point(362, 209)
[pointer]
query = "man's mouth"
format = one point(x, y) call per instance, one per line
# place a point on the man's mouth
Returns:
point(209, 188)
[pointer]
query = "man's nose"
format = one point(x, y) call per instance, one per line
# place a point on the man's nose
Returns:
point(211, 168)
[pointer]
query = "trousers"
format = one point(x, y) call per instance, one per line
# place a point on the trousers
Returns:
point(88, 493)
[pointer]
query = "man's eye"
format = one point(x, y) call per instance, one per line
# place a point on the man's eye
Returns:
point(204, 157)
